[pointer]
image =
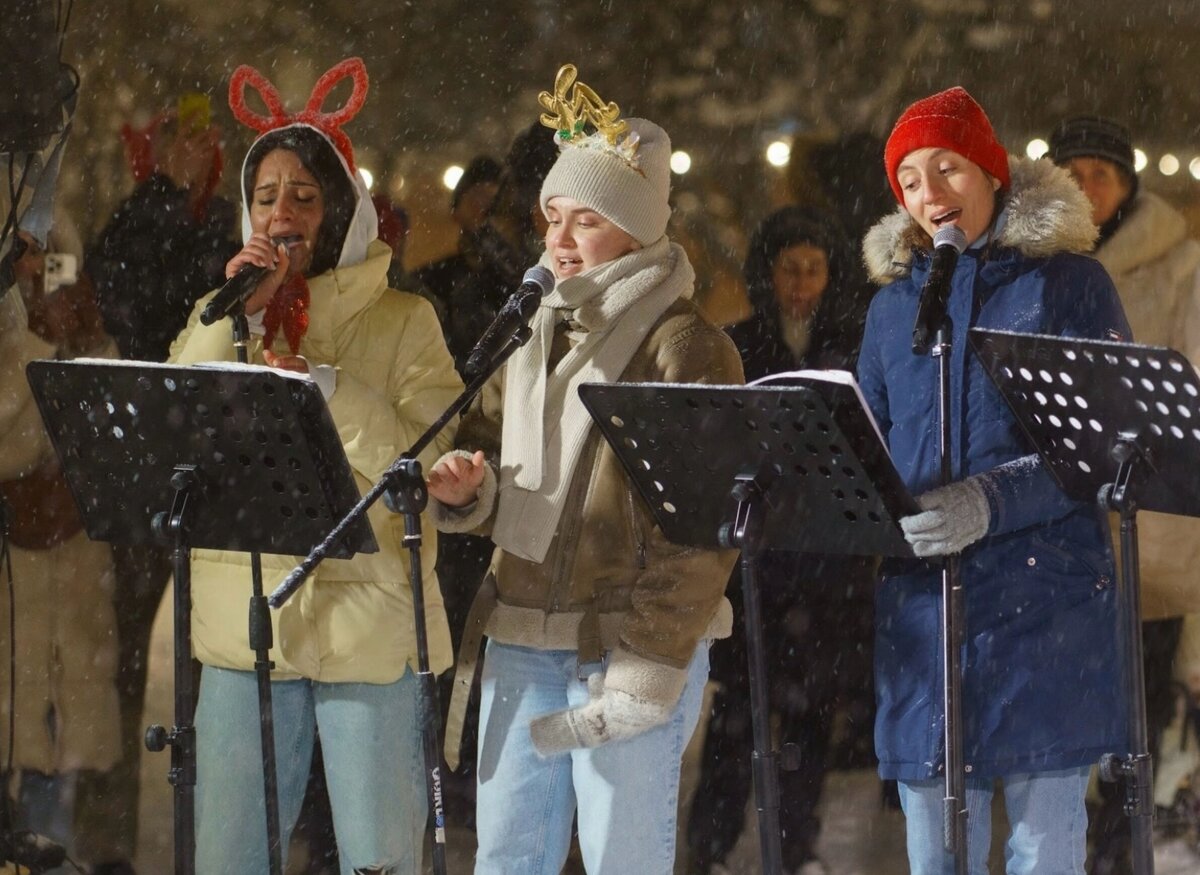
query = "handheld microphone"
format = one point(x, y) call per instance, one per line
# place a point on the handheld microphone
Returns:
point(948, 244)
point(235, 292)
point(513, 316)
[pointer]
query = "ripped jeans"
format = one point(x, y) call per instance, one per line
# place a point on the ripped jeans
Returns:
point(373, 766)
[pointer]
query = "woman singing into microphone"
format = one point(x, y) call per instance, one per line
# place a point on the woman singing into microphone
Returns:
point(598, 627)
point(344, 646)
point(1041, 685)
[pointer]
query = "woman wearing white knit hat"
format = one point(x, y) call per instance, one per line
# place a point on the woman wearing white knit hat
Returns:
point(598, 627)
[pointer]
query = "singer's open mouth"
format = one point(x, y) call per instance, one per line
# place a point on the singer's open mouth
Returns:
point(948, 216)
point(290, 240)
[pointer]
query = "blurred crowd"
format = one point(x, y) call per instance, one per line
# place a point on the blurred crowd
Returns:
point(795, 296)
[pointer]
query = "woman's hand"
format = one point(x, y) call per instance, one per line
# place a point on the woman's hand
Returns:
point(455, 481)
point(259, 252)
point(286, 362)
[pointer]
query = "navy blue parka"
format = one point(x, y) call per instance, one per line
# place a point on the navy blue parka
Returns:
point(1041, 685)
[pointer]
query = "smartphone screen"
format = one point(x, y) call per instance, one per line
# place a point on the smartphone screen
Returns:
point(62, 269)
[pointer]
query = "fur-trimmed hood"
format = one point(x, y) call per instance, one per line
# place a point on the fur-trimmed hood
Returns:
point(1047, 213)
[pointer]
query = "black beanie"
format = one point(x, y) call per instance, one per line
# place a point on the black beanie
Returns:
point(482, 169)
point(1089, 136)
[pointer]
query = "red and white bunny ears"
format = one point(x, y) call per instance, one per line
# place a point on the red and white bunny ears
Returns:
point(328, 123)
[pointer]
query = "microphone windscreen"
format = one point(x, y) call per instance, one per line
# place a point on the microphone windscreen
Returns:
point(950, 235)
point(540, 276)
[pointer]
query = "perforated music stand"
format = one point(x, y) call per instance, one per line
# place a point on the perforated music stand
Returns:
point(835, 489)
point(223, 457)
point(785, 467)
point(1118, 423)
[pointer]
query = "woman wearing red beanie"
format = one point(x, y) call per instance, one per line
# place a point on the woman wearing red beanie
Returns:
point(1041, 698)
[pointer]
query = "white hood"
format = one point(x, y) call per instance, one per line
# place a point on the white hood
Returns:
point(364, 225)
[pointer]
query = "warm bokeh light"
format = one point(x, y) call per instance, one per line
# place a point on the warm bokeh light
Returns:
point(1139, 160)
point(1168, 165)
point(1194, 167)
point(1036, 148)
point(452, 175)
point(681, 162)
point(779, 153)
point(368, 177)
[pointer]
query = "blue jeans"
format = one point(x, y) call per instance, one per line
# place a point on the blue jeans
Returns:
point(1045, 809)
point(370, 740)
point(626, 792)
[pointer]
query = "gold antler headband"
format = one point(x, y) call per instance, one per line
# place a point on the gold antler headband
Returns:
point(573, 105)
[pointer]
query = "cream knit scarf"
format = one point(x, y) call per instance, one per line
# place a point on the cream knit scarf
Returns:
point(545, 424)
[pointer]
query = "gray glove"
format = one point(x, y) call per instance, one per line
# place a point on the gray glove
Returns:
point(609, 715)
point(952, 518)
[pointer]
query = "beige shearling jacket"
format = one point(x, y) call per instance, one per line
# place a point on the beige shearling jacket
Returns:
point(610, 581)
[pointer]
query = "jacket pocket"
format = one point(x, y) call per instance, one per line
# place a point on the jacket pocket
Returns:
point(1077, 561)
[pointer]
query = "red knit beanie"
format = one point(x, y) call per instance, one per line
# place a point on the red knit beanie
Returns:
point(952, 120)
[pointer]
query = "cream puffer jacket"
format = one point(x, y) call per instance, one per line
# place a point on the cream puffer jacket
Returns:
point(353, 620)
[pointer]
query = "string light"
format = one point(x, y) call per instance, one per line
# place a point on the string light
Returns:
point(681, 162)
point(451, 177)
point(779, 154)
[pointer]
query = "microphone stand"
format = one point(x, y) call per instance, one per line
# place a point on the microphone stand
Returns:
point(403, 487)
point(261, 642)
point(953, 629)
point(932, 319)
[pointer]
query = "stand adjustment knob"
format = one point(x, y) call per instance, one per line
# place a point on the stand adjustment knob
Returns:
point(789, 757)
point(157, 738)
point(1111, 768)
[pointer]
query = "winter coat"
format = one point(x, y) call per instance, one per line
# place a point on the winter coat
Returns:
point(353, 620)
point(1041, 670)
point(152, 261)
point(800, 587)
point(610, 580)
point(1156, 269)
point(65, 629)
point(67, 716)
point(837, 323)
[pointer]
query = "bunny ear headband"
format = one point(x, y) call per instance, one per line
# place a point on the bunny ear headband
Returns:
point(328, 123)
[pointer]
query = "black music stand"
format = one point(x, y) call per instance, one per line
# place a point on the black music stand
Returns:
point(223, 457)
point(1117, 423)
point(786, 467)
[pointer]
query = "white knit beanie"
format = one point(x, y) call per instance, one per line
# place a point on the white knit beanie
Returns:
point(631, 195)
